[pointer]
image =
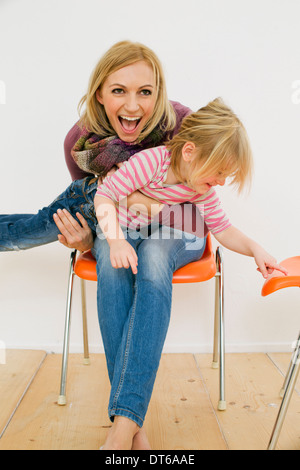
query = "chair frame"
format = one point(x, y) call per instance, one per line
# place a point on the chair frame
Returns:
point(286, 393)
point(274, 283)
point(219, 328)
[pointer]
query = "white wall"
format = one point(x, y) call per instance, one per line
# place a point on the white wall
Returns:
point(245, 51)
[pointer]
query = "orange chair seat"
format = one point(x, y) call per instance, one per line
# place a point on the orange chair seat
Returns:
point(278, 280)
point(197, 271)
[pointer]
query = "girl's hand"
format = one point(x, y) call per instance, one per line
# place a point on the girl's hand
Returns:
point(73, 235)
point(267, 264)
point(122, 255)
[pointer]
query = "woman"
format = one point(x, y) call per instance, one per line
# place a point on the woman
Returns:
point(127, 110)
point(129, 99)
point(120, 101)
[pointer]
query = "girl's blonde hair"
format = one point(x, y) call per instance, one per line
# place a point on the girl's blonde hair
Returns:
point(120, 55)
point(222, 143)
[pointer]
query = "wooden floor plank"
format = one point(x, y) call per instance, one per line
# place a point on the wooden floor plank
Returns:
point(15, 376)
point(180, 414)
point(252, 384)
point(282, 361)
point(40, 424)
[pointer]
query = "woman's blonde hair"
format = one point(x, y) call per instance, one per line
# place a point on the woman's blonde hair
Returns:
point(120, 55)
point(222, 143)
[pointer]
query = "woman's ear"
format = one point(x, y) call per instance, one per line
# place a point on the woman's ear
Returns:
point(98, 96)
point(188, 151)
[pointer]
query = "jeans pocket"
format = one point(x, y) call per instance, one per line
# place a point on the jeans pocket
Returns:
point(87, 210)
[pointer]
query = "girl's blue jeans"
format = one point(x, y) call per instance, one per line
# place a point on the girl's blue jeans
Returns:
point(24, 231)
point(134, 310)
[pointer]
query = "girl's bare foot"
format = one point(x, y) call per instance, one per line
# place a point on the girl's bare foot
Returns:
point(140, 441)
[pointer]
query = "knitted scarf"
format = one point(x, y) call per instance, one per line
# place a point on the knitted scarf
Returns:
point(97, 155)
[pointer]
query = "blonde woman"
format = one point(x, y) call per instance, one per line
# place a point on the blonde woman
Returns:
point(126, 110)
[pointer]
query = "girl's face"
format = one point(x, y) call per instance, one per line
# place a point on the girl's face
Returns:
point(129, 96)
point(202, 185)
point(188, 166)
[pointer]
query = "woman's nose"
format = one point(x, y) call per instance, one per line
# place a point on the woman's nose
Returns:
point(131, 104)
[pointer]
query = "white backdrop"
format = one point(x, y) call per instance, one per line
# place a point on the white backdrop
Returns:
point(245, 51)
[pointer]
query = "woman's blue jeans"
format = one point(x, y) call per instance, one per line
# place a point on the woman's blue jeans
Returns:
point(134, 314)
point(134, 310)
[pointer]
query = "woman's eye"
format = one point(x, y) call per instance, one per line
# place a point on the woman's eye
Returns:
point(117, 91)
point(146, 92)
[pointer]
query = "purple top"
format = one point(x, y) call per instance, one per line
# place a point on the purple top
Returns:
point(74, 134)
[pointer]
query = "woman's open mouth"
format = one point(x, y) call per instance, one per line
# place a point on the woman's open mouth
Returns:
point(129, 124)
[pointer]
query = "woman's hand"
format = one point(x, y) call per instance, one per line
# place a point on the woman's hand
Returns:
point(123, 255)
point(73, 234)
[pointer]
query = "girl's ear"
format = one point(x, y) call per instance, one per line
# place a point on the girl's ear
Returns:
point(98, 96)
point(188, 151)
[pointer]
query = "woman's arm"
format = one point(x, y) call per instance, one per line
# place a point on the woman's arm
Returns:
point(122, 254)
point(73, 234)
point(235, 240)
point(70, 140)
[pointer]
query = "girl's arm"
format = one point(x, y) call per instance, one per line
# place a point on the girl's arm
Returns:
point(122, 254)
point(235, 240)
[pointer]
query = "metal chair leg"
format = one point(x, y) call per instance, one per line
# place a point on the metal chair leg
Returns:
point(287, 377)
point(219, 328)
point(62, 400)
point(220, 266)
point(215, 361)
point(290, 386)
point(86, 357)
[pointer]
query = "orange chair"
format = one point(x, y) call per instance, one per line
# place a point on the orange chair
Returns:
point(275, 282)
point(209, 266)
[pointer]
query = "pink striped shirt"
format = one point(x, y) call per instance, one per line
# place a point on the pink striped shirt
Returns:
point(146, 171)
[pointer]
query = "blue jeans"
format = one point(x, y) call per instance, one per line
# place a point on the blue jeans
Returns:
point(134, 314)
point(134, 310)
point(24, 231)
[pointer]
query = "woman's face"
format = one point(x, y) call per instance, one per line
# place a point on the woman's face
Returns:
point(129, 96)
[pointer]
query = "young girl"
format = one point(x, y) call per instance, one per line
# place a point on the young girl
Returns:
point(211, 146)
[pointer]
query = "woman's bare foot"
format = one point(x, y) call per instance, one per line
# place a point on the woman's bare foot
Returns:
point(121, 434)
point(140, 441)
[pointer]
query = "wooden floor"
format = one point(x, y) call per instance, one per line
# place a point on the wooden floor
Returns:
point(182, 413)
